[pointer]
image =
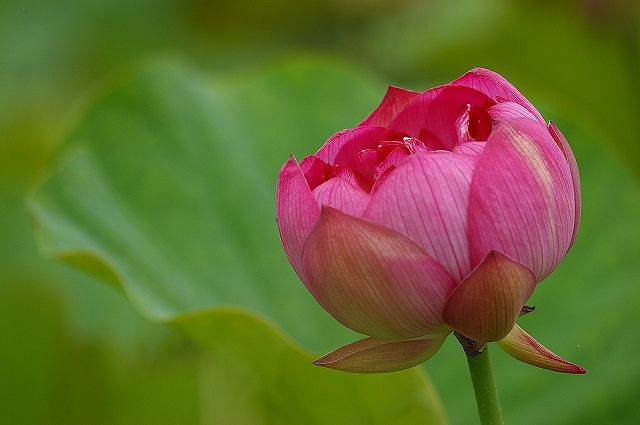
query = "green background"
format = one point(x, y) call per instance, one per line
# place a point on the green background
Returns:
point(141, 276)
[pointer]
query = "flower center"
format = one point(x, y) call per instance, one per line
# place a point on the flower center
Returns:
point(370, 166)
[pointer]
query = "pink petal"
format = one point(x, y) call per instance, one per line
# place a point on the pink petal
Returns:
point(473, 124)
point(381, 179)
point(343, 195)
point(485, 306)
point(436, 111)
point(430, 141)
point(363, 165)
point(296, 212)
point(506, 110)
point(372, 355)
point(344, 145)
point(496, 87)
point(393, 102)
point(521, 201)
point(426, 199)
point(347, 174)
point(392, 160)
point(575, 175)
point(374, 280)
point(314, 170)
point(522, 346)
point(470, 148)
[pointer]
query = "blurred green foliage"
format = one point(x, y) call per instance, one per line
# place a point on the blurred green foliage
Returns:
point(255, 376)
point(76, 351)
point(180, 233)
point(180, 229)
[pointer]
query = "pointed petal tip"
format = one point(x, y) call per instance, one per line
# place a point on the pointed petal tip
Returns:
point(320, 362)
point(326, 209)
point(495, 255)
point(289, 168)
point(392, 88)
point(522, 346)
point(570, 368)
point(292, 160)
point(394, 100)
point(328, 212)
point(580, 370)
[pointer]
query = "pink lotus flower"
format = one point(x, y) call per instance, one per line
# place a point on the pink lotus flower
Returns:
point(439, 212)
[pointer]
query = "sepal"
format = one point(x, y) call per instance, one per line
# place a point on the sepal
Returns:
point(522, 346)
point(485, 306)
point(371, 355)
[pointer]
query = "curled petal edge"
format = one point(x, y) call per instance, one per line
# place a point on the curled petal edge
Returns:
point(522, 346)
point(371, 355)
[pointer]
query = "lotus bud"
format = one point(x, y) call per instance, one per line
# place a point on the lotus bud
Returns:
point(440, 212)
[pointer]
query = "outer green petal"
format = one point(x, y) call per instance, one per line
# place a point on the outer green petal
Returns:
point(373, 279)
point(372, 355)
point(522, 346)
point(485, 306)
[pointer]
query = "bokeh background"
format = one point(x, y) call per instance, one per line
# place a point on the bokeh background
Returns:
point(141, 278)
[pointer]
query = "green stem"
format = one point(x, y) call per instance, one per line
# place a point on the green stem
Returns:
point(484, 388)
